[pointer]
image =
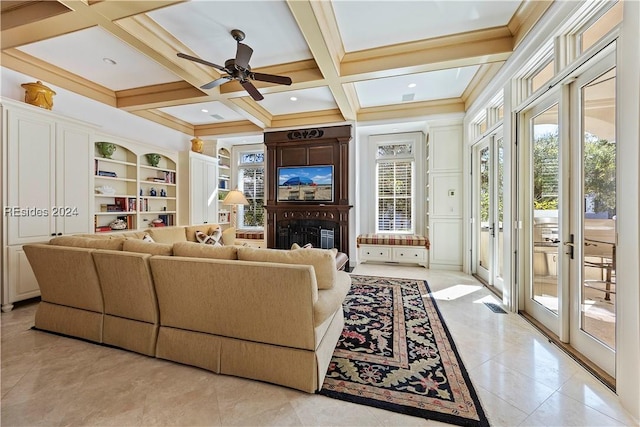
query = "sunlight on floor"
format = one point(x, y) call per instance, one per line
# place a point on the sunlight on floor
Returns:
point(455, 292)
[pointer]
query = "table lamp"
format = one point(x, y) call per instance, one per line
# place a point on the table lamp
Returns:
point(235, 198)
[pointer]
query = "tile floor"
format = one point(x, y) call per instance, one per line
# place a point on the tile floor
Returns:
point(521, 378)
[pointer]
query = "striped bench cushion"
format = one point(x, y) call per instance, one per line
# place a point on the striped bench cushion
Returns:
point(393, 239)
point(249, 234)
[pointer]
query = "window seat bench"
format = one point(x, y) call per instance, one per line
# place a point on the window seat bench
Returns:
point(254, 238)
point(400, 248)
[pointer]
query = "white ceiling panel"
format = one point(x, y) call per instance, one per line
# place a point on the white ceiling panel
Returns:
point(216, 112)
point(441, 84)
point(205, 27)
point(314, 99)
point(365, 24)
point(83, 52)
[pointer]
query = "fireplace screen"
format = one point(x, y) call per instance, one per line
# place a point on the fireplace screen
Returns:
point(321, 234)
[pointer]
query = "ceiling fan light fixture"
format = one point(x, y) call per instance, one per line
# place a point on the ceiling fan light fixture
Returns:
point(238, 69)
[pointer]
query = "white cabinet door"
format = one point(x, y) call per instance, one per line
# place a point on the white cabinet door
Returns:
point(23, 282)
point(72, 211)
point(31, 177)
point(210, 194)
point(196, 190)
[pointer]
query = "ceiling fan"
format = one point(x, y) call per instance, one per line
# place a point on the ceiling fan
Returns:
point(238, 69)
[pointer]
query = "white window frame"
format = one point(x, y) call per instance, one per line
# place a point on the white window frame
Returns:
point(411, 157)
point(239, 174)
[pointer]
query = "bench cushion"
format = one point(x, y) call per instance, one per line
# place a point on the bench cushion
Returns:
point(393, 240)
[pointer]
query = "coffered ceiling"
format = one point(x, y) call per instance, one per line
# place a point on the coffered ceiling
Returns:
point(348, 60)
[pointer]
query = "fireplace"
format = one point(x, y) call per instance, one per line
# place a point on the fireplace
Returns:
point(320, 234)
point(300, 220)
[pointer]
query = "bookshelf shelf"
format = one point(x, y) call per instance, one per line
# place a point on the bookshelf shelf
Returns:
point(131, 200)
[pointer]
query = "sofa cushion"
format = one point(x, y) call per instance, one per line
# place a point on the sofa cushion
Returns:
point(229, 236)
point(196, 250)
point(322, 260)
point(167, 234)
point(85, 242)
point(140, 246)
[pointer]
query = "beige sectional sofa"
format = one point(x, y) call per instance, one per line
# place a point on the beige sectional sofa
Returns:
point(265, 314)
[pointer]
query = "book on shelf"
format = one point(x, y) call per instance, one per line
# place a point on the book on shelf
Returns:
point(102, 228)
point(122, 204)
point(107, 173)
point(110, 208)
point(170, 177)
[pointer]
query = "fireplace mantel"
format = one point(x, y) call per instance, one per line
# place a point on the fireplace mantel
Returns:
point(309, 147)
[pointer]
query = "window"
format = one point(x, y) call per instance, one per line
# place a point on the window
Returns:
point(598, 29)
point(395, 188)
point(251, 183)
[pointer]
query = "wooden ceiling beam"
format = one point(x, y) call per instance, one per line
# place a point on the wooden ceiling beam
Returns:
point(166, 120)
point(227, 128)
point(317, 31)
point(412, 109)
point(160, 95)
point(472, 48)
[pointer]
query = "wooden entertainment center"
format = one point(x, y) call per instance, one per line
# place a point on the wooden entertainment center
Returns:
point(327, 222)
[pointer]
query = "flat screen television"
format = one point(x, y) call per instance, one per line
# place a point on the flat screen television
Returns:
point(305, 184)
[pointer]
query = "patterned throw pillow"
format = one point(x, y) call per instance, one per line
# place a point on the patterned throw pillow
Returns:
point(148, 238)
point(297, 246)
point(214, 238)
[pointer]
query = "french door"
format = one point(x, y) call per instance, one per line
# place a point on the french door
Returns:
point(568, 206)
point(488, 207)
point(593, 220)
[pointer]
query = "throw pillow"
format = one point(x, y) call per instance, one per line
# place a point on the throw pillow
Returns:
point(297, 246)
point(148, 238)
point(213, 238)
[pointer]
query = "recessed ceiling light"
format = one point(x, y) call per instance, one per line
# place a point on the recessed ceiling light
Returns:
point(109, 61)
point(204, 110)
point(412, 85)
point(293, 98)
point(395, 129)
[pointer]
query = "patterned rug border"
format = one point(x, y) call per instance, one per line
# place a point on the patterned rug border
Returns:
point(418, 412)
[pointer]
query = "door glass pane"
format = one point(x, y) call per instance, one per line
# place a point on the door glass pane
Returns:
point(545, 240)
point(485, 230)
point(598, 292)
point(500, 197)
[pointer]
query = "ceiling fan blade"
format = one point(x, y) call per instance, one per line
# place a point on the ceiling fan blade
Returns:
point(202, 61)
point(249, 87)
point(281, 80)
point(216, 82)
point(243, 54)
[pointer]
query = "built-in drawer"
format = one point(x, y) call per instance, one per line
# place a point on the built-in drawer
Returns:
point(409, 254)
point(379, 253)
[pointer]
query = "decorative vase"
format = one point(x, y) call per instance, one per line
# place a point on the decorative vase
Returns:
point(106, 149)
point(38, 94)
point(197, 145)
point(153, 159)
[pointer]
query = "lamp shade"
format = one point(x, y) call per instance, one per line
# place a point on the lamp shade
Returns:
point(235, 197)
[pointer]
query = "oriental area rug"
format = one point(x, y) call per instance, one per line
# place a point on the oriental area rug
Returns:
point(396, 353)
